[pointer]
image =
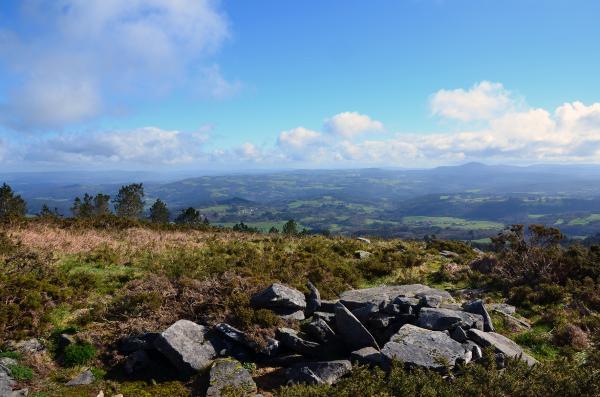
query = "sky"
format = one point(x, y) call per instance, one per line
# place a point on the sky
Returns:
point(279, 84)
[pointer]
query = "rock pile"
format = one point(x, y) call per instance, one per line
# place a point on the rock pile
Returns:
point(414, 324)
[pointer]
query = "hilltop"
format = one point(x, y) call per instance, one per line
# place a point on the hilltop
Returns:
point(75, 290)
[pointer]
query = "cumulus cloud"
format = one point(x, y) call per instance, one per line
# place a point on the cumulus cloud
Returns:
point(481, 102)
point(84, 54)
point(351, 124)
point(148, 145)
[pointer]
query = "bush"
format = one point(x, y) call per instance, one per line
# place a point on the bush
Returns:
point(21, 373)
point(79, 354)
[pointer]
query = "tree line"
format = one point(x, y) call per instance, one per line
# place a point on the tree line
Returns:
point(128, 203)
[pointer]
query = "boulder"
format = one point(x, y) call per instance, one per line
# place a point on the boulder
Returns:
point(84, 378)
point(382, 295)
point(28, 346)
point(419, 347)
point(446, 319)
point(429, 300)
point(185, 346)
point(501, 343)
point(235, 335)
point(474, 348)
point(279, 296)
point(290, 314)
point(136, 362)
point(133, 343)
point(477, 307)
point(351, 330)
point(290, 339)
point(503, 308)
point(327, 306)
point(459, 334)
point(227, 376)
point(321, 331)
point(313, 303)
point(368, 356)
point(364, 313)
point(449, 254)
point(6, 381)
point(320, 372)
point(364, 240)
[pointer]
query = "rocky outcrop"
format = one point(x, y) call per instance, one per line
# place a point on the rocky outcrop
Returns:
point(378, 296)
point(501, 343)
point(424, 348)
point(279, 296)
point(477, 307)
point(229, 377)
point(353, 333)
point(438, 319)
point(184, 344)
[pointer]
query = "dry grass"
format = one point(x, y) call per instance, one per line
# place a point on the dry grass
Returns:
point(51, 238)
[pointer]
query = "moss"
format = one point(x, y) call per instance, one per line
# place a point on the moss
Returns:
point(79, 354)
point(21, 373)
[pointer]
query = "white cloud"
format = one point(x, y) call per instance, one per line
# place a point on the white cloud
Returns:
point(86, 54)
point(148, 145)
point(351, 124)
point(481, 102)
point(213, 85)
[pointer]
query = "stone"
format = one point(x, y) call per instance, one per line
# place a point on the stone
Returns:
point(368, 356)
point(136, 362)
point(476, 352)
point(329, 318)
point(501, 343)
point(84, 378)
point(290, 314)
point(445, 319)
point(419, 347)
point(351, 330)
point(382, 295)
point(184, 345)
point(485, 264)
point(227, 375)
point(279, 296)
point(20, 393)
point(313, 303)
point(65, 340)
point(503, 308)
point(321, 331)
point(6, 382)
point(242, 338)
point(449, 254)
point(318, 373)
point(28, 346)
point(360, 254)
point(459, 334)
point(429, 300)
point(364, 240)
point(364, 313)
point(290, 339)
point(477, 307)
point(133, 343)
point(327, 306)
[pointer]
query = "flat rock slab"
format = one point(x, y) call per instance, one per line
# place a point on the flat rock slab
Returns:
point(84, 378)
point(368, 356)
point(353, 299)
point(320, 372)
point(421, 347)
point(184, 345)
point(352, 332)
point(290, 339)
point(229, 377)
point(501, 343)
point(279, 296)
point(477, 307)
point(438, 319)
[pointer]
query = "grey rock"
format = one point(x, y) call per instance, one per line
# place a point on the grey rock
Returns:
point(474, 348)
point(295, 315)
point(352, 332)
point(321, 331)
point(290, 339)
point(313, 303)
point(134, 343)
point(477, 307)
point(445, 319)
point(84, 378)
point(65, 340)
point(485, 264)
point(360, 254)
point(503, 308)
point(327, 306)
point(20, 393)
point(382, 295)
point(364, 313)
point(429, 300)
point(449, 254)
point(6, 362)
point(28, 346)
point(184, 345)
point(321, 372)
point(451, 306)
point(368, 356)
point(227, 375)
point(279, 296)
point(136, 362)
point(6, 380)
point(364, 240)
point(420, 347)
point(501, 343)
point(459, 334)
point(234, 334)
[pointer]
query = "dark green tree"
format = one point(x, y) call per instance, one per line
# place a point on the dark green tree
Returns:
point(129, 202)
point(11, 205)
point(159, 213)
point(46, 212)
point(102, 204)
point(189, 216)
point(290, 227)
point(273, 230)
point(83, 208)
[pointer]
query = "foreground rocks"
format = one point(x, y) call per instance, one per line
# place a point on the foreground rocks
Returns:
point(414, 324)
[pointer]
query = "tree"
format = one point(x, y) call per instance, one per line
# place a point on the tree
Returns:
point(11, 205)
point(159, 213)
point(290, 227)
point(83, 208)
point(46, 212)
point(129, 202)
point(102, 204)
point(189, 216)
point(273, 230)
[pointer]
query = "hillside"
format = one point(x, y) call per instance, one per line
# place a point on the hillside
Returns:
point(86, 296)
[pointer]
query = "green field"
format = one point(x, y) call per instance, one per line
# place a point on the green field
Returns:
point(585, 220)
point(450, 222)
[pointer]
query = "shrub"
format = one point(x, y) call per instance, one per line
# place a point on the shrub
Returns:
point(21, 373)
point(79, 354)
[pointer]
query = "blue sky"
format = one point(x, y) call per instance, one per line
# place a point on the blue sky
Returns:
point(197, 84)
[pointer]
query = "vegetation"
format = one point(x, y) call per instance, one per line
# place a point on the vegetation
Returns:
point(12, 206)
point(129, 202)
point(159, 213)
